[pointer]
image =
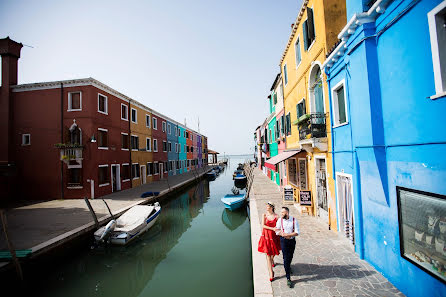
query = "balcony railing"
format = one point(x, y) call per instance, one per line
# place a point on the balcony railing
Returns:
point(312, 126)
point(70, 152)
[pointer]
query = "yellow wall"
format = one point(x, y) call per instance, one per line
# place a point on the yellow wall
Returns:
point(139, 129)
point(329, 19)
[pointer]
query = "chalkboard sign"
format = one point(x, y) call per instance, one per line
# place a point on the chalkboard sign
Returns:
point(305, 198)
point(288, 194)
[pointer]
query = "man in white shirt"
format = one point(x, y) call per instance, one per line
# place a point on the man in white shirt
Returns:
point(287, 228)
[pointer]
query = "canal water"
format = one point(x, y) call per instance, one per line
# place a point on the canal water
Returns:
point(196, 248)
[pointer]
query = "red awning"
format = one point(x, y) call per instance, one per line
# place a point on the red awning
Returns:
point(271, 163)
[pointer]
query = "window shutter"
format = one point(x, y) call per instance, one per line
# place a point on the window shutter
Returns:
point(305, 33)
point(310, 24)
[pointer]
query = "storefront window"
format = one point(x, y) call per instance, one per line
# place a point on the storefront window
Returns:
point(292, 171)
point(422, 220)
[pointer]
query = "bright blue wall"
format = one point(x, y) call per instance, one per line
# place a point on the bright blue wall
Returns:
point(396, 135)
point(172, 156)
point(182, 155)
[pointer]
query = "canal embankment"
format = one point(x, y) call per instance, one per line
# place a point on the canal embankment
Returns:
point(46, 226)
point(324, 263)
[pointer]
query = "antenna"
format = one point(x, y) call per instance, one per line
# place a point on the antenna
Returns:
point(185, 122)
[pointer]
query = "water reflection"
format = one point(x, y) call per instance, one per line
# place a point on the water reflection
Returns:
point(233, 219)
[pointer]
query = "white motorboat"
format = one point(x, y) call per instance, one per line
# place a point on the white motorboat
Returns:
point(131, 224)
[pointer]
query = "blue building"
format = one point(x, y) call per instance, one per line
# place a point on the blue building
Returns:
point(182, 154)
point(172, 147)
point(387, 82)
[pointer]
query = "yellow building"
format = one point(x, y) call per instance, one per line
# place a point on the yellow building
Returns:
point(140, 143)
point(307, 107)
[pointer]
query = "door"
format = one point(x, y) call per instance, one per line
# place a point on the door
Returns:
point(115, 177)
point(143, 174)
point(161, 171)
point(321, 189)
point(345, 206)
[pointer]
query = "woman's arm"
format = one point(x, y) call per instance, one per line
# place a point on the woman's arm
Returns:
point(265, 226)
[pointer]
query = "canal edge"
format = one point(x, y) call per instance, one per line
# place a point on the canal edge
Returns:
point(260, 276)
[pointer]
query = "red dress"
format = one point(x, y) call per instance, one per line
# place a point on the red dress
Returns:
point(269, 242)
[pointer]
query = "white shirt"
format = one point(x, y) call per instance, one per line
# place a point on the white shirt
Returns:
point(287, 225)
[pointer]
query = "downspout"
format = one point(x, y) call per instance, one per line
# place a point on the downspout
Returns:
point(61, 141)
point(129, 115)
point(359, 224)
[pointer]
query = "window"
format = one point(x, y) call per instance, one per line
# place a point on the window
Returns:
point(176, 147)
point(275, 98)
point(147, 121)
point(26, 139)
point(164, 126)
point(124, 112)
point(149, 168)
point(103, 177)
point(170, 146)
point(422, 228)
point(339, 104)
point(185, 135)
point(176, 131)
point(155, 123)
point(134, 141)
point(74, 177)
point(102, 104)
point(102, 138)
point(124, 141)
point(155, 145)
point(186, 149)
point(135, 171)
point(148, 144)
point(164, 146)
point(308, 29)
point(437, 21)
point(297, 50)
point(168, 129)
point(125, 172)
point(155, 168)
point(165, 166)
point(134, 116)
point(74, 101)
point(285, 74)
point(282, 125)
point(191, 136)
point(300, 108)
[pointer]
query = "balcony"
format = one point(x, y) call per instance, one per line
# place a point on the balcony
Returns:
point(312, 131)
point(70, 152)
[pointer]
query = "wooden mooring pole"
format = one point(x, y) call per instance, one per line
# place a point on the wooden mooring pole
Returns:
point(10, 246)
point(93, 214)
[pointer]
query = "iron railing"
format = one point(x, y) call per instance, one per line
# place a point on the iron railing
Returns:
point(314, 126)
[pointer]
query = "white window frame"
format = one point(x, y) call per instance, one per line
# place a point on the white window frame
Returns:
point(102, 147)
point(106, 184)
point(122, 166)
point(69, 101)
point(335, 104)
point(154, 123)
point(127, 112)
point(169, 146)
point(136, 115)
point(157, 167)
point(147, 170)
point(295, 51)
point(164, 126)
point(139, 170)
point(166, 146)
point(105, 105)
point(149, 149)
point(123, 149)
point(133, 135)
point(148, 117)
point(440, 82)
point(23, 139)
point(155, 147)
point(169, 130)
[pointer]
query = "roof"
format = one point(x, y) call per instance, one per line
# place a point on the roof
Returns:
point(212, 152)
point(275, 81)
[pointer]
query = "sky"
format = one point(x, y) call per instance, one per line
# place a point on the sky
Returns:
point(206, 61)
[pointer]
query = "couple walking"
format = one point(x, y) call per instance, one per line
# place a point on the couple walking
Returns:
point(278, 234)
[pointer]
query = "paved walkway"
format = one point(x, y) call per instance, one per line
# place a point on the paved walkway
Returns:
point(324, 263)
point(40, 226)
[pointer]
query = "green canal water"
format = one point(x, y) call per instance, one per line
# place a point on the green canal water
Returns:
point(196, 248)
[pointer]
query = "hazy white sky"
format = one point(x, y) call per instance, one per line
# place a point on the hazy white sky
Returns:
point(211, 59)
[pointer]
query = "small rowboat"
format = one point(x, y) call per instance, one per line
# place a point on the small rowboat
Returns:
point(233, 202)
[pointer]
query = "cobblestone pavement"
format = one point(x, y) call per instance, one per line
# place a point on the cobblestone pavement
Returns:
point(324, 264)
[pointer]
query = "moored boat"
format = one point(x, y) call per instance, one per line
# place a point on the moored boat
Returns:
point(233, 202)
point(130, 225)
point(211, 175)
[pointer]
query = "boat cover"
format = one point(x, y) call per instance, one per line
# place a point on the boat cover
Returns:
point(133, 219)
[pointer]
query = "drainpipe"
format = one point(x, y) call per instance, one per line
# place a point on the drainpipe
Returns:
point(359, 239)
point(61, 141)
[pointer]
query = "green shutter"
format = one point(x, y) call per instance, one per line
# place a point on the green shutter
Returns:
point(310, 25)
point(305, 35)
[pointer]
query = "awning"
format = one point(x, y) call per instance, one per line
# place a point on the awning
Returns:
point(271, 163)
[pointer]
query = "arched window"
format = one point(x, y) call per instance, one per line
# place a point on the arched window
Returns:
point(75, 134)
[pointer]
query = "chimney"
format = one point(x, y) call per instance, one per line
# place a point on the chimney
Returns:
point(10, 53)
point(292, 26)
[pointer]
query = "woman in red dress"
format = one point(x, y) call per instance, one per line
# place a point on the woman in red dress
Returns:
point(269, 242)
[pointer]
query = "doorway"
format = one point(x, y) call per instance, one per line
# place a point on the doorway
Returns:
point(321, 189)
point(143, 174)
point(161, 171)
point(344, 187)
point(115, 177)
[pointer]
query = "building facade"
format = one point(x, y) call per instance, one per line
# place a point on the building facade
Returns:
point(388, 147)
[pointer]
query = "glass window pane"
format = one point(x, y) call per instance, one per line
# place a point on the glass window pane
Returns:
point(341, 105)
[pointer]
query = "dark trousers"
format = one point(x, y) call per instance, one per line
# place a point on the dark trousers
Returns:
point(288, 246)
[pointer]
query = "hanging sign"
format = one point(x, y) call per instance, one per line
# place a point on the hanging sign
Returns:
point(305, 198)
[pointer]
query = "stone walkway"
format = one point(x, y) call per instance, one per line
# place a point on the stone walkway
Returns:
point(324, 263)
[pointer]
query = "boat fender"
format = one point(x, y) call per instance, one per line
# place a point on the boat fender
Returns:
point(108, 229)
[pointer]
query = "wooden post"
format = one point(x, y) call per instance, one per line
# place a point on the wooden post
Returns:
point(10, 246)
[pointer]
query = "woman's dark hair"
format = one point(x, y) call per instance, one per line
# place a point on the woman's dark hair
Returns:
point(272, 205)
